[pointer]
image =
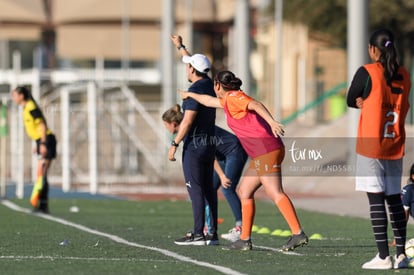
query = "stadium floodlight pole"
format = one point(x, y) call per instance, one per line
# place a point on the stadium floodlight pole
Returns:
point(168, 85)
point(168, 82)
point(357, 44)
point(278, 59)
point(242, 46)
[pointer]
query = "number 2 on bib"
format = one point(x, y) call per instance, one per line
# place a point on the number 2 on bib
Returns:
point(389, 125)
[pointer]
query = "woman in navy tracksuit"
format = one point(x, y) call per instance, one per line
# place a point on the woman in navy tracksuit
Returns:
point(197, 133)
point(230, 159)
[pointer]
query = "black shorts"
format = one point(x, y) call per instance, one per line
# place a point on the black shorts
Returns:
point(50, 145)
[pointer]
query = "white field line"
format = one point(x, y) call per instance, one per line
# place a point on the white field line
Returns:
point(54, 258)
point(278, 250)
point(294, 253)
point(222, 269)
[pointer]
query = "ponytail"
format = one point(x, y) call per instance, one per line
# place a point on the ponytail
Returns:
point(173, 114)
point(383, 39)
point(228, 81)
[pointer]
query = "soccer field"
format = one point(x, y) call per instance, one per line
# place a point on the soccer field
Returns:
point(110, 236)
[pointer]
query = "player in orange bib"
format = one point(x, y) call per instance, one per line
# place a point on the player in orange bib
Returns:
point(259, 135)
point(381, 91)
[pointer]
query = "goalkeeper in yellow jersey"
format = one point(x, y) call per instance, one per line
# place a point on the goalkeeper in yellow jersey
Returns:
point(36, 128)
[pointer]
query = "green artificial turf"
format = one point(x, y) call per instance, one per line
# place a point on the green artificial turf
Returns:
point(137, 237)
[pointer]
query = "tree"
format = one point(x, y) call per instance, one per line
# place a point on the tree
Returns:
point(397, 16)
point(325, 16)
point(330, 17)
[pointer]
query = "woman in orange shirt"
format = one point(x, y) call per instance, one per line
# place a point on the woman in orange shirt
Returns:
point(259, 135)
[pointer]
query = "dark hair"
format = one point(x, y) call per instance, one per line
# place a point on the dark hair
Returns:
point(27, 95)
point(173, 114)
point(383, 39)
point(228, 81)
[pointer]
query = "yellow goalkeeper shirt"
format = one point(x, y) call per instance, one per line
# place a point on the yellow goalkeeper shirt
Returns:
point(33, 117)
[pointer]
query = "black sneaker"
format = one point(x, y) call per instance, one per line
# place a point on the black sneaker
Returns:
point(212, 239)
point(243, 245)
point(296, 240)
point(40, 210)
point(44, 210)
point(191, 239)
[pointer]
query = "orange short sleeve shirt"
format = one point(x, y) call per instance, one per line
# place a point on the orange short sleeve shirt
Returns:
point(237, 102)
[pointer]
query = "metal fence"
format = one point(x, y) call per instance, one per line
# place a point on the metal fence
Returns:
point(106, 138)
